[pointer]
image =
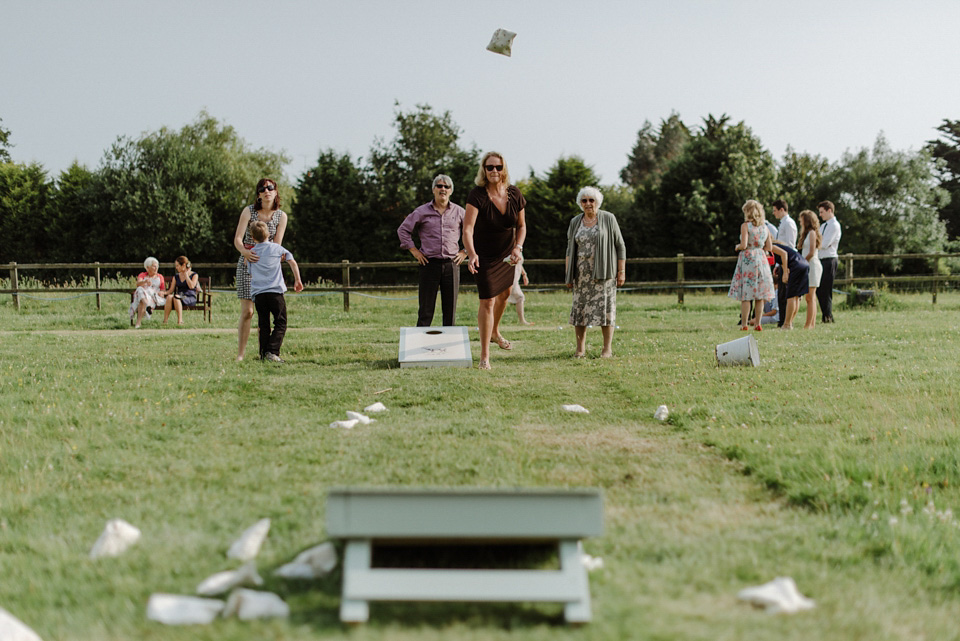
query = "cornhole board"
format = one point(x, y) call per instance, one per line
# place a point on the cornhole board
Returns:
point(365, 518)
point(435, 347)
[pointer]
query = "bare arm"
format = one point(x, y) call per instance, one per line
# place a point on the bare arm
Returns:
point(469, 222)
point(281, 228)
point(621, 272)
point(779, 251)
point(743, 238)
point(192, 280)
point(516, 256)
point(242, 225)
point(297, 283)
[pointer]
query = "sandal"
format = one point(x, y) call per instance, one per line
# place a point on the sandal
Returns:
point(501, 342)
point(484, 365)
point(758, 327)
point(744, 329)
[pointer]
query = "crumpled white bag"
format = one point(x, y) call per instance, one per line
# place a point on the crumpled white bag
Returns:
point(662, 413)
point(347, 425)
point(376, 407)
point(223, 582)
point(247, 605)
point(117, 536)
point(13, 629)
point(363, 418)
point(248, 545)
point(591, 562)
point(777, 596)
point(501, 42)
point(312, 563)
point(580, 409)
point(175, 609)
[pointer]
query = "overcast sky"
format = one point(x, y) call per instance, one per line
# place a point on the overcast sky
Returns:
point(307, 75)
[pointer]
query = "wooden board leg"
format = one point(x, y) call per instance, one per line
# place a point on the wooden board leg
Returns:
point(571, 564)
point(356, 557)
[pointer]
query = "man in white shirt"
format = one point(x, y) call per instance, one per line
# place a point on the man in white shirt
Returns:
point(830, 231)
point(786, 234)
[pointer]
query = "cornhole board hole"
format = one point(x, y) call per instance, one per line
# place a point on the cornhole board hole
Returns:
point(368, 518)
point(435, 347)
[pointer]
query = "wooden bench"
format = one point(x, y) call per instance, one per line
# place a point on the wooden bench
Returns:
point(204, 300)
point(366, 518)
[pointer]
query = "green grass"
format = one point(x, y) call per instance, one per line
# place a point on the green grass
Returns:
point(795, 468)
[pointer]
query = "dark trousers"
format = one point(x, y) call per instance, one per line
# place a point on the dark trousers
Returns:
point(267, 304)
point(442, 274)
point(825, 291)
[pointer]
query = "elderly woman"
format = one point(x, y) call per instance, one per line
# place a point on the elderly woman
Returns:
point(596, 264)
point(149, 292)
point(494, 229)
point(267, 210)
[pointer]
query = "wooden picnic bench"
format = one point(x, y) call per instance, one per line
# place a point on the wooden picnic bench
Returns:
point(204, 300)
point(366, 518)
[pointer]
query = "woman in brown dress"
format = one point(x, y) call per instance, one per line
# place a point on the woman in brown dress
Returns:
point(493, 235)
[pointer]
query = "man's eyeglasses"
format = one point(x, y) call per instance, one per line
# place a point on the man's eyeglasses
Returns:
point(492, 167)
point(260, 190)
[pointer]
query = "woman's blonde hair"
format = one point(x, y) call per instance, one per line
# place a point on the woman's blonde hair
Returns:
point(754, 212)
point(808, 224)
point(481, 179)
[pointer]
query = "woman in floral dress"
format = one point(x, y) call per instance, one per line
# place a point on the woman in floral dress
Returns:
point(752, 280)
point(596, 264)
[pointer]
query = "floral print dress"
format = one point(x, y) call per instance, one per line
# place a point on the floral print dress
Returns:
point(594, 301)
point(752, 279)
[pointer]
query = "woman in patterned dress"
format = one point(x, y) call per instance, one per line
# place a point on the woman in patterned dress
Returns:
point(149, 293)
point(267, 210)
point(494, 229)
point(596, 264)
point(752, 280)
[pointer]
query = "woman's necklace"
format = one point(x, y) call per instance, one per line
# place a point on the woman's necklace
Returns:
point(589, 222)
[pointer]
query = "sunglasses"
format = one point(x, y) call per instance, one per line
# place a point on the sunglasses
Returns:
point(492, 167)
point(587, 200)
point(260, 190)
point(441, 186)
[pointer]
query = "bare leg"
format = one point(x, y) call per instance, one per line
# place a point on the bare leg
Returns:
point(744, 314)
point(757, 312)
point(499, 306)
point(607, 341)
point(581, 332)
point(485, 323)
point(166, 308)
point(141, 312)
point(243, 330)
point(178, 305)
point(793, 304)
point(811, 298)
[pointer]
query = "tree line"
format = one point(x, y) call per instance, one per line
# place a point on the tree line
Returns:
point(173, 192)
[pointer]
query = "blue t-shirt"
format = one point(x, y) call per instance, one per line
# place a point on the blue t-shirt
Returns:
point(266, 275)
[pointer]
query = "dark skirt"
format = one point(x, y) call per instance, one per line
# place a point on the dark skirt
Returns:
point(799, 282)
point(493, 277)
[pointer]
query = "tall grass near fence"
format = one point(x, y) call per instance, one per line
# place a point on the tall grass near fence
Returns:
point(834, 462)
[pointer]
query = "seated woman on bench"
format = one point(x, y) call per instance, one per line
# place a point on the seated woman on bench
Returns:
point(182, 291)
point(149, 292)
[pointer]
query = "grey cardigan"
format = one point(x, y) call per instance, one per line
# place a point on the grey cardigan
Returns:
point(610, 247)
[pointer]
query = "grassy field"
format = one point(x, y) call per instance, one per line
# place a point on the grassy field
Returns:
point(835, 462)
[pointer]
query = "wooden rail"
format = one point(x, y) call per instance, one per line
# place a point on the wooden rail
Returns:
point(935, 279)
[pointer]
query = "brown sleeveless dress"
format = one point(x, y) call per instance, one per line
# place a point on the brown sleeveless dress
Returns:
point(493, 236)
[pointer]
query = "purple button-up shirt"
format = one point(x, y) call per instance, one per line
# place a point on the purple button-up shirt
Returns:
point(439, 232)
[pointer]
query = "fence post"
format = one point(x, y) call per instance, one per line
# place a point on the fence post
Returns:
point(848, 268)
point(346, 285)
point(97, 282)
point(14, 286)
point(936, 277)
point(679, 279)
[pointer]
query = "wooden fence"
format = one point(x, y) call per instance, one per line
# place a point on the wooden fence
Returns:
point(934, 279)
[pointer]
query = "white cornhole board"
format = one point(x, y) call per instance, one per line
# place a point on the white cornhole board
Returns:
point(435, 347)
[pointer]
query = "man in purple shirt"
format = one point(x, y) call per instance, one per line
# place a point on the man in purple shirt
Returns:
point(439, 224)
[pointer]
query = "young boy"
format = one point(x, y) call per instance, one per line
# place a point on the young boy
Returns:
point(266, 289)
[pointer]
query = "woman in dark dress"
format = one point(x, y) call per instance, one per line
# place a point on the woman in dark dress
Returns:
point(794, 276)
point(493, 235)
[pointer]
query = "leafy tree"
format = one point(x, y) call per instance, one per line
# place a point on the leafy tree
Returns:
point(177, 192)
point(946, 150)
point(24, 195)
point(332, 212)
point(655, 150)
point(696, 207)
point(4, 144)
point(804, 181)
point(888, 201)
point(76, 194)
point(551, 203)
